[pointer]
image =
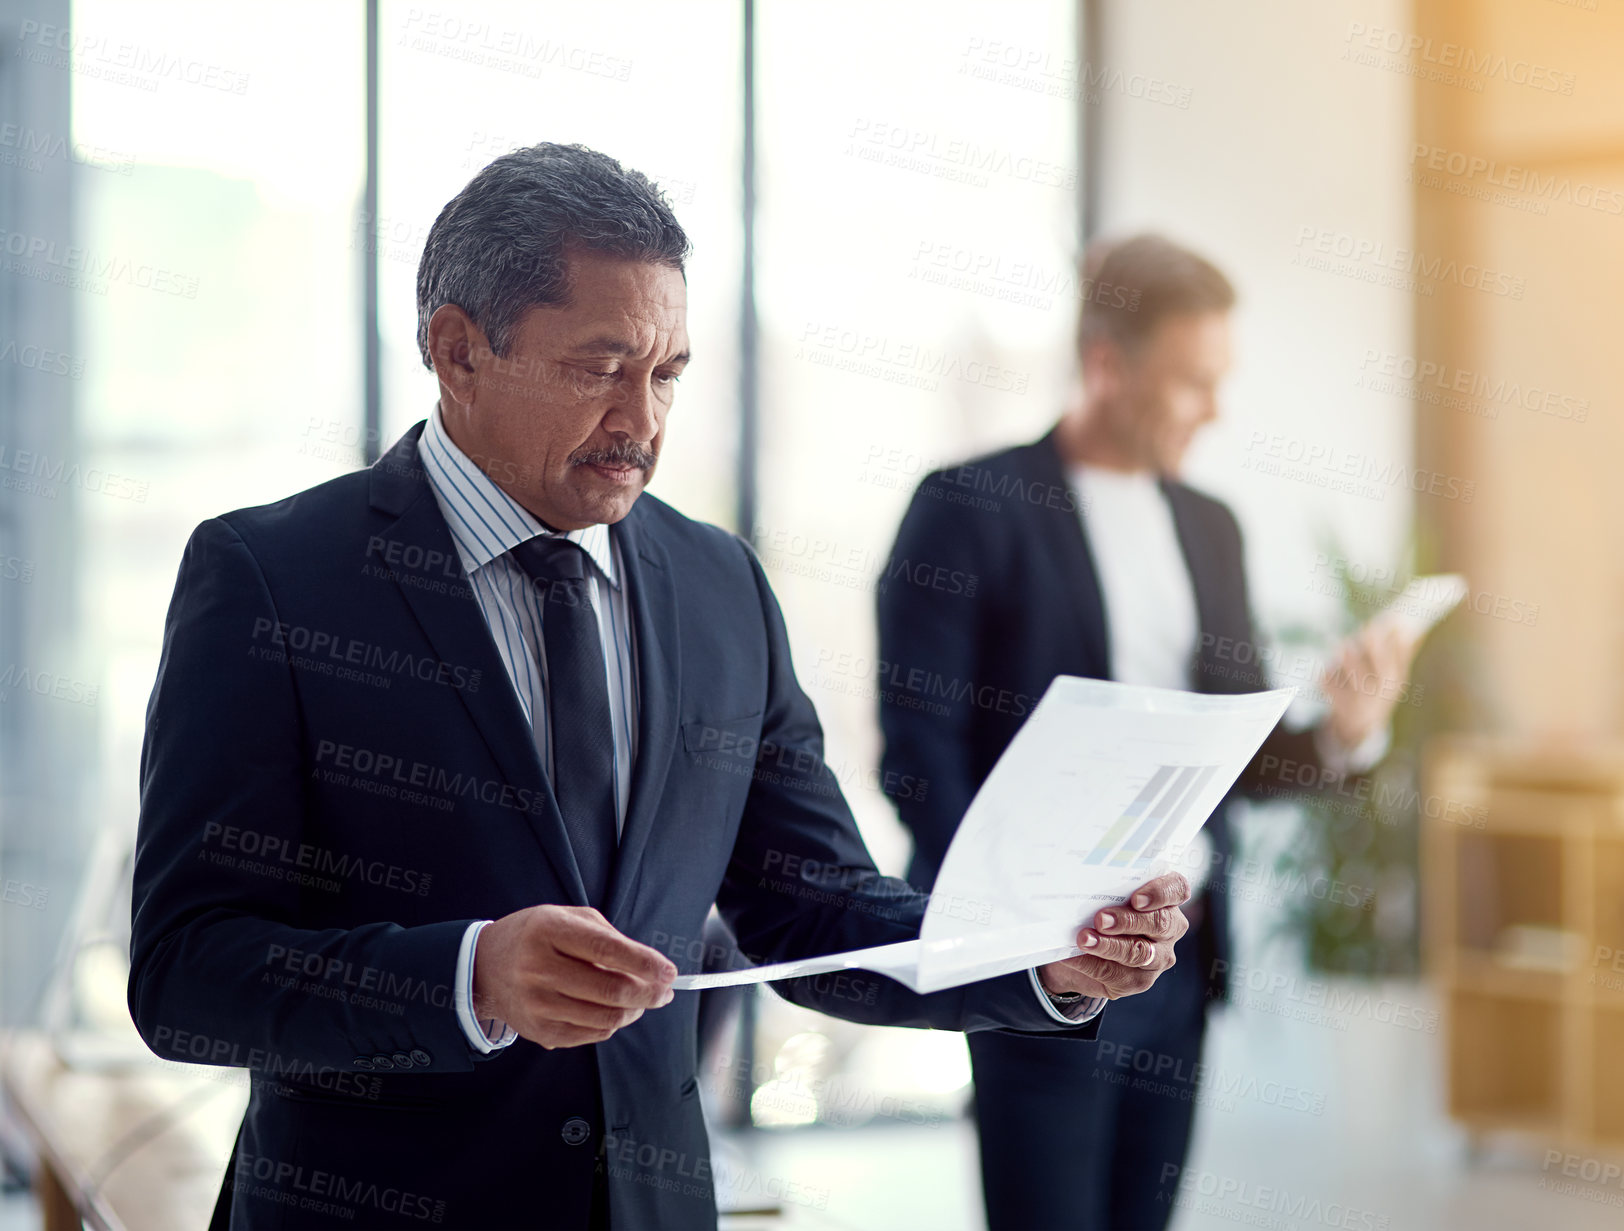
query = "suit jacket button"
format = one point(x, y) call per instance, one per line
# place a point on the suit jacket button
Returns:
point(361, 1062)
point(382, 1062)
point(420, 1057)
point(576, 1131)
point(402, 1060)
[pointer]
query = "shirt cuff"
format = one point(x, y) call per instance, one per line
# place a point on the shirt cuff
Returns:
point(1073, 1015)
point(490, 1034)
point(1340, 759)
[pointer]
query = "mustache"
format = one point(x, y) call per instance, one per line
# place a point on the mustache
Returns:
point(629, 454)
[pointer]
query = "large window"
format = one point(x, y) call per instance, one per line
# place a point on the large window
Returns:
point(917, 246)
point(222, 358)
point(918, 237)
point(197, 190)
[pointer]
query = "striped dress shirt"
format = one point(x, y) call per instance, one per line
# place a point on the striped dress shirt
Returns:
point(486, 524)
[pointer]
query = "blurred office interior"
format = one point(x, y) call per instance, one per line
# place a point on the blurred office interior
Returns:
point(212, 215)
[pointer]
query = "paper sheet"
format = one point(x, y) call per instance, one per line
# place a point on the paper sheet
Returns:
point(1424, 602)
point(1099, 792)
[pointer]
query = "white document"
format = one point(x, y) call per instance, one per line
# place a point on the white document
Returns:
point(1100, 791)
point(1424, 602)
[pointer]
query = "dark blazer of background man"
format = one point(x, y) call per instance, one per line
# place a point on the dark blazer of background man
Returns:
point(961, 675)
point(368, 867)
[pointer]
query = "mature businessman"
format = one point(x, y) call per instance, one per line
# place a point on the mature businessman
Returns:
point(446, 757)
point(1097, 561)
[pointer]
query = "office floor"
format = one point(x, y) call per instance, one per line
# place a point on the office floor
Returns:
point(1379, 1154)
point(1325, 1108)
point(1373, 1149)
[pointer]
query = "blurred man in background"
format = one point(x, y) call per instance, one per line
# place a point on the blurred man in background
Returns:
point(1096, 561)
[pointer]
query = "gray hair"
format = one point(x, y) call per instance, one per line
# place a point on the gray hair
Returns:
point(500, 246)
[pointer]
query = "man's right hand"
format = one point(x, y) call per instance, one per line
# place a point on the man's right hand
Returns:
point(562, 976)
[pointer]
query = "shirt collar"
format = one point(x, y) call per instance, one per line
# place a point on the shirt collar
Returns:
point(1120, 480)
point(485, 521)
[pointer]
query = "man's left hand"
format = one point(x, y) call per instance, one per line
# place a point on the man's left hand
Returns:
point(1128, 946)
point(1370, 675)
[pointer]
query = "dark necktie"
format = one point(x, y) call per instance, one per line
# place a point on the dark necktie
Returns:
point(577, 706)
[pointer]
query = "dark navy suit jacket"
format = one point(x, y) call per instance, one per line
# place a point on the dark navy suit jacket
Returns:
point(991, 592)
point(337, 779)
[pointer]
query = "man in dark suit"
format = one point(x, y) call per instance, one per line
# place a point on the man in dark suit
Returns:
point(447, 761)
point(1096, 561)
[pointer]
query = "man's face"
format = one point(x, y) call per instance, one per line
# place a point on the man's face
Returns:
point(571, 422)
point(1166, 388)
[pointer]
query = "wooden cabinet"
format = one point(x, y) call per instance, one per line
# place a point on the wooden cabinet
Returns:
point(1523, 931)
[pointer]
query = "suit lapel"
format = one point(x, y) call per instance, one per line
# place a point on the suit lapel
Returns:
point(1060, 532)
point(452, 622)
point(1206, 579)
point(652, 597)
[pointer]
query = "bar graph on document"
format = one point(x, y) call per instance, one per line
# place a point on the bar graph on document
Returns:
point(1140, 834)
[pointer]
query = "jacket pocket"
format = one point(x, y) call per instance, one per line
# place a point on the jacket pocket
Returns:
point(363, 1091)
point(724, 737)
